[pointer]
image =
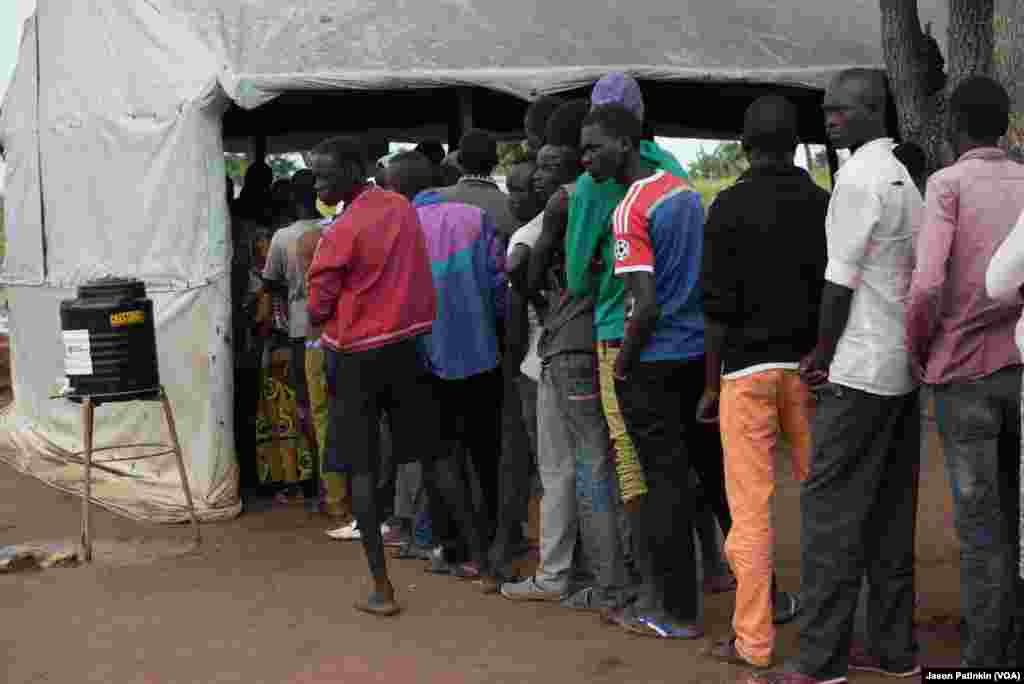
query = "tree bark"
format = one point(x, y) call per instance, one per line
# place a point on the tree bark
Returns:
point(1009, 67)
point(922, 115)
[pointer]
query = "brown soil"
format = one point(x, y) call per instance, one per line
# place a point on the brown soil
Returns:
point(268, 599)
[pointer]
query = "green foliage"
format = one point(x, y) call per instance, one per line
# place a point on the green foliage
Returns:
point(709, 188)
point(725, 161)
point(236, 165)
point(283, 167)
point(509, 154)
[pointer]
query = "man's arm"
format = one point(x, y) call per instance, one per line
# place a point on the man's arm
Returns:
point(854, 213)
point(835, 312)
point(556, 222)
point(634, 263)
point(934, 243)
point(273, 278)
point(1005, 276)
point(327, 274)
point(517, 332)
point(722, 301)
point(495, 256)
point(641, 320)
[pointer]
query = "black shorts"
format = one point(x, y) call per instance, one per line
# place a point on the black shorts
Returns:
point(366, 385)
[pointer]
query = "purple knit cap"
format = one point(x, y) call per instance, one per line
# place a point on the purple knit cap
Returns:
point(619, 88)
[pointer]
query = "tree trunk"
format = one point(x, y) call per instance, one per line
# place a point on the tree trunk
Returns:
point(1009, 66)
point(970, 51)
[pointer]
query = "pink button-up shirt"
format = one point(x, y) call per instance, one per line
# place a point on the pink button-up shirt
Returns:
point(955, 331)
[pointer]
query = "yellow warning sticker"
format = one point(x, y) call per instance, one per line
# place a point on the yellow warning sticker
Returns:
point(127, 318)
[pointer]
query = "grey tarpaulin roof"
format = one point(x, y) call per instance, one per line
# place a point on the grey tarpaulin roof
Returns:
point(523, 48)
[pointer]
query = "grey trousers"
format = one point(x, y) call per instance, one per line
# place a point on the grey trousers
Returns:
point(979, 422)
point(857, 513)
point(577, 470)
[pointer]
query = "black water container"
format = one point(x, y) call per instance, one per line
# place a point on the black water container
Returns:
point(110, 341)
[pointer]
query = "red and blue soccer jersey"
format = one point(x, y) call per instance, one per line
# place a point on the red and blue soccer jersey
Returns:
point(659, 229)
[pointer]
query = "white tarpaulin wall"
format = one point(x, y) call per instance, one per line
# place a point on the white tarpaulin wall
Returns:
point(120, 102)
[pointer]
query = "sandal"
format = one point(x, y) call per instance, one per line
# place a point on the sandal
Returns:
point(411, 551)
point(375, 604)
point(661, 629)
point(725, 651)
point(585, 599)
point(788, 609)
point(290, 495)
point(438, 565)
point(468, 570)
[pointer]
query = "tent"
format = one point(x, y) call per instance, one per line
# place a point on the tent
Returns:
point(115, 123)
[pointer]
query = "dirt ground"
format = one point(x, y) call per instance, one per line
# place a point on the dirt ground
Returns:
point(268, 599)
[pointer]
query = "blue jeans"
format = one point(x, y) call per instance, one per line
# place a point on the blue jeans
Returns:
point(980, 425)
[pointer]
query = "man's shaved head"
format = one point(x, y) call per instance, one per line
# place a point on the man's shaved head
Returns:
point(409, 173)
point(870, 85)
point(855, 108)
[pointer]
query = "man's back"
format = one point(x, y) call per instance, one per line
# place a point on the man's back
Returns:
point(764, 265)
point(370, 281)
point(283, 267)
point(972, 207)
point(468, 265)
point(486, 195)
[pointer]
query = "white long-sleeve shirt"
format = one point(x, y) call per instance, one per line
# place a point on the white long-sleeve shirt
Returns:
point(1003, 280)
point(1005, 274)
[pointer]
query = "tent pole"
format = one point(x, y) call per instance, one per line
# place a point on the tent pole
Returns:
point(833, 162)
point(39, 152)
point(462, 118)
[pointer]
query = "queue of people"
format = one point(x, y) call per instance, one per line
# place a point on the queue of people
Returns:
point(595, 329)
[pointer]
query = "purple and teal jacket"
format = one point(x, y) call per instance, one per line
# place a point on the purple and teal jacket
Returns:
point(468, 264)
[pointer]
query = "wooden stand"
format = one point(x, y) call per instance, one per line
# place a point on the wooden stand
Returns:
point(89, 404)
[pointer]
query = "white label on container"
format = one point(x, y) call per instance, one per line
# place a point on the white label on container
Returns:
point(77, 356)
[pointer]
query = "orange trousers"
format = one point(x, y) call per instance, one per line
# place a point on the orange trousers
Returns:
point(754, 410)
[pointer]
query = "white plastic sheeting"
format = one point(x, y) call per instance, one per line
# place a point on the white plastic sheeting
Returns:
point(120, 102)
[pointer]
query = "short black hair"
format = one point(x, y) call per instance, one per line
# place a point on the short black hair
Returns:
point(344, 150)
point(411, 172)
point(980, 107)
point(617, 121)
point(566, 122)
point(770, 125)
point(912, 156)
point(478, 152)
point(432, 149)
point(873, 85)
point(303, 187)
point(538, 113)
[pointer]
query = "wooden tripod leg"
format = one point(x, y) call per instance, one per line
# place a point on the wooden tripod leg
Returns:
point(169, 417)
point(88, 412)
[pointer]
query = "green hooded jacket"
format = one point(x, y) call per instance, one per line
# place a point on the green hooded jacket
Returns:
point(589, 255)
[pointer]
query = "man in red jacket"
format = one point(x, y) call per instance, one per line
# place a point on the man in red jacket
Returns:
point(371, 288)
